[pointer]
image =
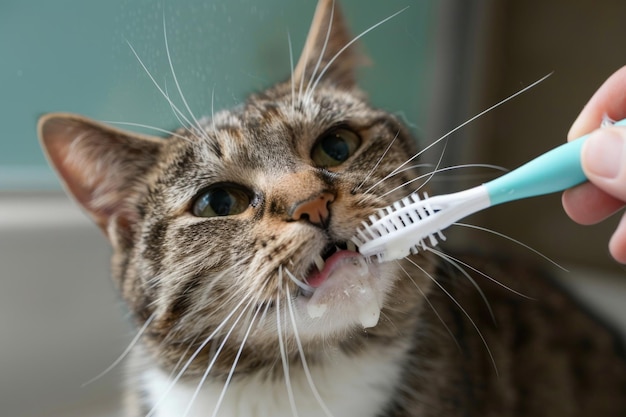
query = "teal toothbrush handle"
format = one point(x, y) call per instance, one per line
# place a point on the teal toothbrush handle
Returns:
point(555, 170)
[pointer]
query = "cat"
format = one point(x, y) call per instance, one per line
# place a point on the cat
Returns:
point(231, 249)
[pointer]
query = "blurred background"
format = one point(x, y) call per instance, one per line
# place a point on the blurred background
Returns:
point(435, 65)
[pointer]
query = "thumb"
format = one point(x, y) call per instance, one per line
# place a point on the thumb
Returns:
point(604, 160)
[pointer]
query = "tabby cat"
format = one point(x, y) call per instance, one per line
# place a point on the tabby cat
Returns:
point(230, 248)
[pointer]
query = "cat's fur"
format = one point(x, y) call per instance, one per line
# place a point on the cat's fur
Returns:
point(199, 287)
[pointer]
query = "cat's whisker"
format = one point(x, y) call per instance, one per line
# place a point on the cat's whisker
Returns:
point(305, 287)
point(183, 355)
point(406, 168)
point(195, 123)
point(186, 271)
point(125, 353)
point(235, 362)
point(432, 173)
point(437, 165)
point(462, 166)
point(159, 88)
point(509, 238)
point(199, 349)
point(432, 307)
point(305, 53)
point(469, 177)
point(280, 279)
point(214, 358)
point(386, 317)
point(292, 81)
point(144, 126)
point(305, 365)
point(468, 121)
point(321, 55)
point(284, 359)
point(456, 263)
point(180, 117)
point(356, 38)
point(265, 311)
point(213, 109)
point(473, 323)
point(400, 169)
point(371, 171)
point(178, 114)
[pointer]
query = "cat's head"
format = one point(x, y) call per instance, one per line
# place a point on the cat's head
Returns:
point(219, 232)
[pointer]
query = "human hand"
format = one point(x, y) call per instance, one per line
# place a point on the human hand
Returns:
point(603, 161)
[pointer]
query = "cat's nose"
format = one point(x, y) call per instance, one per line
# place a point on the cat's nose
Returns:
point(315, 210)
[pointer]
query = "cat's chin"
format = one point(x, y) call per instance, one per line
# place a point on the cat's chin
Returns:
point(349, 291)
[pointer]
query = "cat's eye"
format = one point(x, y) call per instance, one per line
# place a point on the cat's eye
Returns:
point(335, 147)
point(221, 200)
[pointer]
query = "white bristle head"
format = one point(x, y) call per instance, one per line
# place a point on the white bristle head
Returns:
point(358, 242)
point(398, 216)
point(363, 236)
point(414, 223)
point(381, 229)
point(432, 240)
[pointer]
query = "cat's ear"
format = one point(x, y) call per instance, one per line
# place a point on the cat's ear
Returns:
point(327, 37)
point(99, 165)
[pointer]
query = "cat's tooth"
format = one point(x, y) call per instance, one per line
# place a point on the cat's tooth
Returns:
point(351, 246)
point(361, 268)
point(319, 262)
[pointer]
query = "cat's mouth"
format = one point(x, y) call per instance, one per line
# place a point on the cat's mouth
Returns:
point(342, 283)
point(319, 270)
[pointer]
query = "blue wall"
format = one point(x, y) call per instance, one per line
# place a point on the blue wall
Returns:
point(74, 56)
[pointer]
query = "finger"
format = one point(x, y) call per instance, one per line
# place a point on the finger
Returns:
point(603, 159)
point(609, 100)
point(587, 204)
point(617, 244)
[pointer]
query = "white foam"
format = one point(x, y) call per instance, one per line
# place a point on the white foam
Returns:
point(350, 290)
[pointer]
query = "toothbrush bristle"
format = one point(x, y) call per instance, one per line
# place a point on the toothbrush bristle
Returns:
point(401, 214)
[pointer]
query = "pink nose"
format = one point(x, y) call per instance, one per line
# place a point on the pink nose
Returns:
point(314, 210)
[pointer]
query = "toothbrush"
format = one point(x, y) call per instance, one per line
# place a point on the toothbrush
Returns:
point(409, 225)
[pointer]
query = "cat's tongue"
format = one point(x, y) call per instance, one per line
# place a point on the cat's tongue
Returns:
point(346, 285)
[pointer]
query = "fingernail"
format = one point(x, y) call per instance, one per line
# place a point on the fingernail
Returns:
point(602, 154)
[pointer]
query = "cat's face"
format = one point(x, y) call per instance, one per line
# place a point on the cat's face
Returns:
point(220, 233)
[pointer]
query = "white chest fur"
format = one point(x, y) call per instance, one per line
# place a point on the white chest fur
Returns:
point(348, 385)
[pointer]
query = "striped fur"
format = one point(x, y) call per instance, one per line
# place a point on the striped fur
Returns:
point(215, 292)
